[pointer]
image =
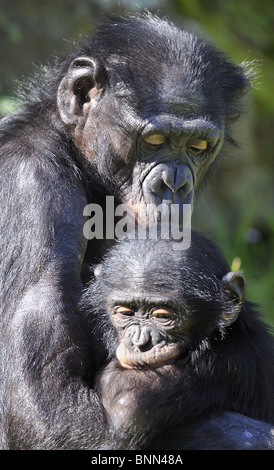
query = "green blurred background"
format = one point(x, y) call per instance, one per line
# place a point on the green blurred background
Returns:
point(237, 210)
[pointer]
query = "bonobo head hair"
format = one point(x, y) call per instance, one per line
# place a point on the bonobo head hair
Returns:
point(163, 43)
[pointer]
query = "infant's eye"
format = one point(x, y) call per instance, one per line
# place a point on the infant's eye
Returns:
point(123, 311)
point(162, 313)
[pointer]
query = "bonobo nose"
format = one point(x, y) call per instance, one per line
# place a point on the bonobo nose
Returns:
point(174, 177)
point(169, 182)
point(141, 338)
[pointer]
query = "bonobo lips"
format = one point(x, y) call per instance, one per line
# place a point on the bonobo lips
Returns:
point(159, 355)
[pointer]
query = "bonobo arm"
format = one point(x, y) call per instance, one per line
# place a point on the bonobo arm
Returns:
point(129, 404)
point(45, 349)
point(220, 431)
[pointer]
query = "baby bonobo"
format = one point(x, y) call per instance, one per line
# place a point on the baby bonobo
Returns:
point(182, 340)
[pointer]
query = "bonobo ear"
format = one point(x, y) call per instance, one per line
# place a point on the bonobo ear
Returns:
point(83, 80)
point(235, 282)
point(234, 287)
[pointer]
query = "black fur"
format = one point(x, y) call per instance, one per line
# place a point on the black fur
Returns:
point(56, 156)
point(226, 363)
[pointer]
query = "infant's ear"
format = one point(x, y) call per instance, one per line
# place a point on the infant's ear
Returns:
point(98, 270)
point(235, 282)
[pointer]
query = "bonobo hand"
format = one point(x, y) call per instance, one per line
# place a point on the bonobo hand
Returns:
point(118, 388)
point(135, 400)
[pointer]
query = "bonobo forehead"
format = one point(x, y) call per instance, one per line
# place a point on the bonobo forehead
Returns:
point(167, 79)
point(155, 55)
point(141, 295)
point(142, 265)
point(154, 265)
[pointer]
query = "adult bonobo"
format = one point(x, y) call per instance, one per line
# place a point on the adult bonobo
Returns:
point(183, 343)
point(140, 111)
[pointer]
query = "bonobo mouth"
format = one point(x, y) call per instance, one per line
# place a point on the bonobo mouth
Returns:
point(159, 355)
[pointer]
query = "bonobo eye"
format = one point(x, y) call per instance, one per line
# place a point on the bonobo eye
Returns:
point(197, 147)
point(154, 139)
point(121, 310)
point(162, 314)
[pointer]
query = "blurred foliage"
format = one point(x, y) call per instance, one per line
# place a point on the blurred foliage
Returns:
point(238, 209)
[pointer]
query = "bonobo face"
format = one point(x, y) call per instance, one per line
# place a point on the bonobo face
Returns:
point(147, 334)
point(149, 107)
point(172, 154)
point(164, 303)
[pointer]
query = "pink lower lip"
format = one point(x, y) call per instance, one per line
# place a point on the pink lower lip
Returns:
point(155, 357)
